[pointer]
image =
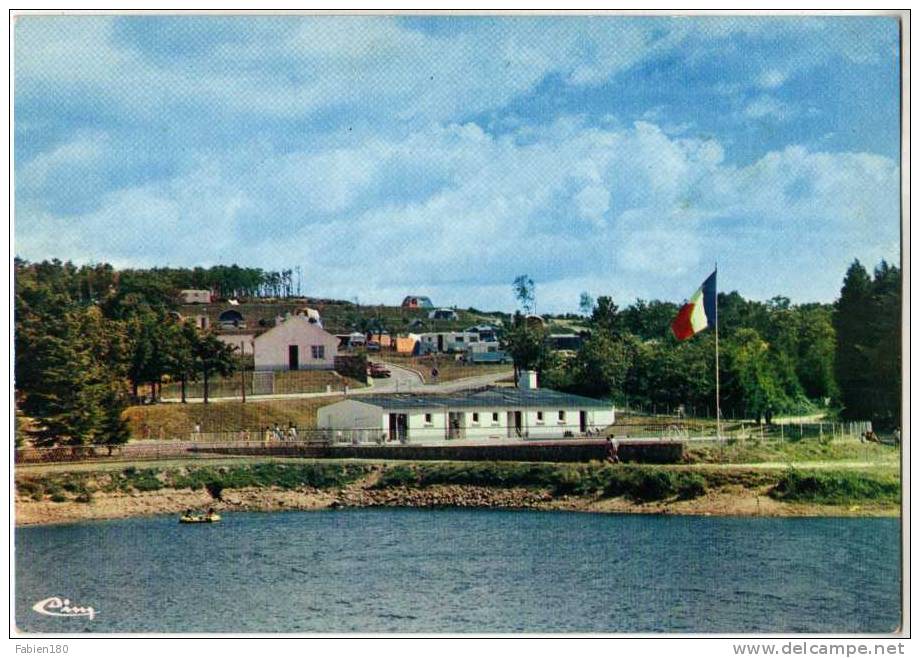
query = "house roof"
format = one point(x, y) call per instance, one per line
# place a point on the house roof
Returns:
point(298, 323)
point(491, 397)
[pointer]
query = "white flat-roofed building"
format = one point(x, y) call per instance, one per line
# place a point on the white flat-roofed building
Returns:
point(496, 413)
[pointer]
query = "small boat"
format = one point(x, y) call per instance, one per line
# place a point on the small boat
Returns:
point(199, 518)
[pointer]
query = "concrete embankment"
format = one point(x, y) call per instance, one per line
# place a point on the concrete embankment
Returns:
point(636, 451)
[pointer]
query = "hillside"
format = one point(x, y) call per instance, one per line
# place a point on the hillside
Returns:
point(343, 317)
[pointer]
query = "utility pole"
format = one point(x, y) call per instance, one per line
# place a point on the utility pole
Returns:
point(243, 370)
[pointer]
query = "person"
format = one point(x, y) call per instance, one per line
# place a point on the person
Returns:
point(292, 432)
point(276, 432)
point(266, 435)
point(613, 451)
point(897, 436)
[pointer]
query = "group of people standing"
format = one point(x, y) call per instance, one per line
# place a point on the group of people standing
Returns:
point(276, 433)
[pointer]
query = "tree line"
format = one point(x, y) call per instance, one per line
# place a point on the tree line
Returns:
point(87, 339)
point(89, 283)
point(775, 356)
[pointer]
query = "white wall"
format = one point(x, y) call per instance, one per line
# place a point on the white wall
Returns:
point(271, 348)
point(420, 431)
point(347, 414)
point(352, 420)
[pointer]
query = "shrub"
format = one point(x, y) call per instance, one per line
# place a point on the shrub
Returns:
point(29, 488)
point(215, 488)
point(146, 480)
point(397, 476)
point(568, 481)
point(84, 497)
point(835, 487)
point(690, 486)
point(58, 498)
point(651, 485)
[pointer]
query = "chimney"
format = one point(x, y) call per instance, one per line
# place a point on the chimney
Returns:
point(527, 380)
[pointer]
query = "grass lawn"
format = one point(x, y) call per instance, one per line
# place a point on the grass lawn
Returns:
point(448, 368)
point(178, 420)
point(806, 450)
point(297, 381)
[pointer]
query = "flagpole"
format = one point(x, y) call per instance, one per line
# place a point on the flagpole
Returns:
point(718, 409)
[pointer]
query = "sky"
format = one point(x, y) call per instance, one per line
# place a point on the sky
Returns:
point(444, 156)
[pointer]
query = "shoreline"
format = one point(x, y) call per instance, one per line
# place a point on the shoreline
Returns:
point(729, 501)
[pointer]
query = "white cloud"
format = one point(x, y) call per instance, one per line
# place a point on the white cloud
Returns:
point(768, 107)
point(452, 209)
point(85, 150)
point(771, 79)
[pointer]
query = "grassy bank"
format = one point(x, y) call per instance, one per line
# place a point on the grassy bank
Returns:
point(284, 382)
point(449, 369)
point(585, 482)
point(177, 421)
point(788, 452)
point(81, 486)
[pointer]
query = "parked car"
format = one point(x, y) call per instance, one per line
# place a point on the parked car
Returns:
point(378, 370)
point(373, 346)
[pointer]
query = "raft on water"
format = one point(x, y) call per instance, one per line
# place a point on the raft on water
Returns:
point(199, 518)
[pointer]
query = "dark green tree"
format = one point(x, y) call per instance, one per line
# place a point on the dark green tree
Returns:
point(213, 357)
point(606, 318)
point(526, 343)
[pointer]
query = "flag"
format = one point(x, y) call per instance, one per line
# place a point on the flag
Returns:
point(697, 314)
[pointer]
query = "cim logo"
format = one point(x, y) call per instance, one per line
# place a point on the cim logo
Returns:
point(57, 607)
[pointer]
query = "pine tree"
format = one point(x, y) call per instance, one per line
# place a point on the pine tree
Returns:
point(852, 322)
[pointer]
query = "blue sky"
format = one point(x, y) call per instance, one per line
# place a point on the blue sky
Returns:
point(444, 156)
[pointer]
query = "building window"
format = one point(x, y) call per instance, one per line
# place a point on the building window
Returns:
point(428, 419)
point(561, 416)
point(495, 418)
point(475, 417)
point(459, 339)
point(318, 351)
point(539, 416)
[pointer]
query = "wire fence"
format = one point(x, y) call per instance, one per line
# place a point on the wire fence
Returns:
point(255, 383)
point(301, 440)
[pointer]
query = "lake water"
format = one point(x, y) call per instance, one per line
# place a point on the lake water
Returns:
point(463, 571)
